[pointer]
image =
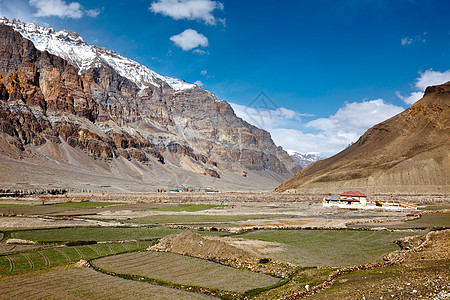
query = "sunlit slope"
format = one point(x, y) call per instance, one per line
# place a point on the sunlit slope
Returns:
point(408, 153)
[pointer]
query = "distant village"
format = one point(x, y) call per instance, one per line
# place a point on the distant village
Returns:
point(357, 200)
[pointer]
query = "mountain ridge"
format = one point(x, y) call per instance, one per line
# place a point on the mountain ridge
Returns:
point(72, 47)
point(97, 120)
point(408, 153)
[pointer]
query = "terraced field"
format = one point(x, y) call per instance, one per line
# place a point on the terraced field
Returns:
point(34, 260)
point(84, 204)
point(331, 247)
point(74, 208)
point(69, 282)
point(184, 270)
point(27, 210)
point(13, 248)
point(92, 233)
point(437, 220)
point(200, 219)
point(188, 207)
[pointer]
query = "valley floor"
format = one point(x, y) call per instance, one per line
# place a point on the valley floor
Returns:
point(280, 245)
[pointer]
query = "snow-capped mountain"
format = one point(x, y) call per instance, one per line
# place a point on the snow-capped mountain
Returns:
point(72, 105)
point(303, 159)
point(72, 47)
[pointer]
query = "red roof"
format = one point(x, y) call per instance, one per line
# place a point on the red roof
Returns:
point(350, 200)
point(353, 194)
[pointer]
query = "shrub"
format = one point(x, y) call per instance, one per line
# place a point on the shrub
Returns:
point(264, 260)
point(80, 243)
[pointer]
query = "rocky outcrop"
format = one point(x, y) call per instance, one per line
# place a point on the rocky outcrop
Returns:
point(406, 154)
point(46, 99)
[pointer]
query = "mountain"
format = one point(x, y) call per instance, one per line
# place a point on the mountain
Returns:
point(81, 116)
point(303, 160)
point(408, 153)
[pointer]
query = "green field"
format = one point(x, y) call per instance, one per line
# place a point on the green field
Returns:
point(426, 221)
point(34, 260)
point(199, 219)
point(435, 207)
point(305, 276)
point(13, 248)
point(188, 208)
point(330, 247)
point(91, 233)
point(439, 220)
point(69, 282)
point(86, 204)
point(184, 270)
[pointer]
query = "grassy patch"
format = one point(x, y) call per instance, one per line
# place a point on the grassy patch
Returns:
point(33, 260)
point(426, 221)
point(396, 282)
point(303, 277)
point(86, 204)
point(91, 233)
point(188, 207)
point(195, 219)
point(330, 247)
point(435, 207)
point(70, 282)
point(436, 220)
point(11, 248)
point(184, 270)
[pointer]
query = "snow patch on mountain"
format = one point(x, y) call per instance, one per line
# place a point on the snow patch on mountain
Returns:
point(71, 47)
point(303, 159)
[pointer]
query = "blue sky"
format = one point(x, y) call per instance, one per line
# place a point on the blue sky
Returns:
point(331, 69)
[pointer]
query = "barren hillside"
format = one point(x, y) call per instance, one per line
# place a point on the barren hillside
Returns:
point(408, 153)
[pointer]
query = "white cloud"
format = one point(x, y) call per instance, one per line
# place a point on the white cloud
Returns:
point(93, 12)
point(200, 10)
point(406, 41)
point(17, 9)
point(354, 118)
point(413, 97)
point(427, 78)
point(318, 143)
point(325, 136)
point(266, 119)
point(204, 72)
point(430, 77)
point(199, 83)
point(200, 52)
point(189, 39)
point(418, 38)
point(59, 8)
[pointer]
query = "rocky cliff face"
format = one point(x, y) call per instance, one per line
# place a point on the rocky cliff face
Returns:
point(109, 114)
point(408, 153)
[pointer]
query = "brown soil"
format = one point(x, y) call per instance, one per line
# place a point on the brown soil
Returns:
point(238, 253)
point(12, 223)
point(193, 244)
